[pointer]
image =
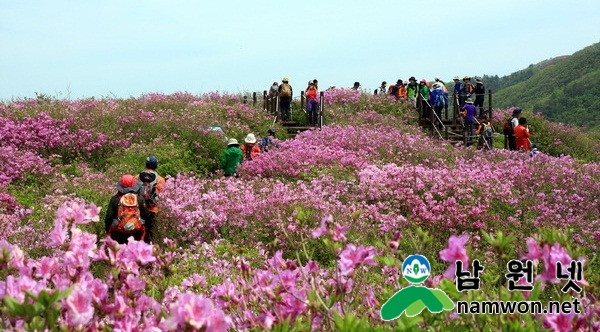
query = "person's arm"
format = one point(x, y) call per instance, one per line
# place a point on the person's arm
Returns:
point(144, 214)
point(111, 213)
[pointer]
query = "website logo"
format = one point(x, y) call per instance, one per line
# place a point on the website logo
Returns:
point(414, 298)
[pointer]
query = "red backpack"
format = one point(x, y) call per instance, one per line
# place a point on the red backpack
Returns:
point(129, 220)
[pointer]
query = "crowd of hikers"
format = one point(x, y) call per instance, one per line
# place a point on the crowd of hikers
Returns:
point(133, 209)
point(428, 97)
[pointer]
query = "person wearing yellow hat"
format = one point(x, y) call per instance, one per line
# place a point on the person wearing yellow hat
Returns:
point(285, 98)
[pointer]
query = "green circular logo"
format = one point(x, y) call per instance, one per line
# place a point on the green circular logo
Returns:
point(416, 269)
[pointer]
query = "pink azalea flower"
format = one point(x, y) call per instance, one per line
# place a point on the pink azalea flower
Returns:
point(58, 235)
point(534, 252)
point(551, 255)
point(455, 251)
point(322, 230)
point(79, 304)
point(559, 322)
point(352, 256)
point(338, 233)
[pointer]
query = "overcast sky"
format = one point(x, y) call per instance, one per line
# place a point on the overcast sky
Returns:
point(79, 49)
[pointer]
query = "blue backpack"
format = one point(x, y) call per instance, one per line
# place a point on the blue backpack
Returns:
point(488, 132)
point(440, 101)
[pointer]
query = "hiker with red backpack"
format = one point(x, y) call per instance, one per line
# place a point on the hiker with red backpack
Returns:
point(250, 149)
point(126, 214)
point(151, 184)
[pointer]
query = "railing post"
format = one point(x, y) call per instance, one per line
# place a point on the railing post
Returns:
point(265, 102)
point(420, 108)
point(490, 104)
point(254, 98)
point(321, 108)
point(245, 99)
point(302, 102)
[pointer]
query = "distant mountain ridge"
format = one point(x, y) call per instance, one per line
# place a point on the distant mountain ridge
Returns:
point(564, 89)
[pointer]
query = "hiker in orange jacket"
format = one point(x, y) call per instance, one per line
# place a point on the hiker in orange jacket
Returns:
point(155, 184)
point(522, 135)
point(250, 149)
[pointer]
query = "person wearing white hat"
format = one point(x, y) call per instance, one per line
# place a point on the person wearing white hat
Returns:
point(232, 158)
point(250, 149)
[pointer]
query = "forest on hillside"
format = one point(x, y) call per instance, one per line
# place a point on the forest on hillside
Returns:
point(564, 89)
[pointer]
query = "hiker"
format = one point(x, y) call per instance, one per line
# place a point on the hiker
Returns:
point(522, 135)
point(250, 149)
point(466, 89)
point(356, 86)
point(266, 143)
point(412, 90)
point(424, 92)
point(486, 130)
point(382, 89)
point(443, 86)
point(398, 90)
point(232, 158)
point(126, 214)
point(439, 99)
point(286, 93)
point(312, 104)
point(479, 91)
point(534, 150)
point(457, 89)
point(508, 129)
point(468, 111)
point(151, 184)
point(274, 90)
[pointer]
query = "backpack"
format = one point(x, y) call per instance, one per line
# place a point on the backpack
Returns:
point(439, 99)
point(488, 132)
point(147, 182)
point(507, 128)
point(286, 90)
point(248, 148)
point(129, 219)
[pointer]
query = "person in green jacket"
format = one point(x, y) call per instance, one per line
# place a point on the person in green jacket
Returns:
point(231, 158)
point(412, 88)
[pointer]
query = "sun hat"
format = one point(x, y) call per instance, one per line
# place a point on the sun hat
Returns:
point(412, 78)
point(423, 81)
point(232, 141)
point(456, 78)
point(285, 79)
point(250, 138)
point(466, 78)
point(127, 184)
point(469, 101)
point(516, 111)
point(436, 85)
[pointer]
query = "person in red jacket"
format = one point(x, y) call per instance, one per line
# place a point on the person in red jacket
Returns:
point(522, 135)
point(250, 149)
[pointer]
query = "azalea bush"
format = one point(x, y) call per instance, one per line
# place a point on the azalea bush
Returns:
point(313, 234)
